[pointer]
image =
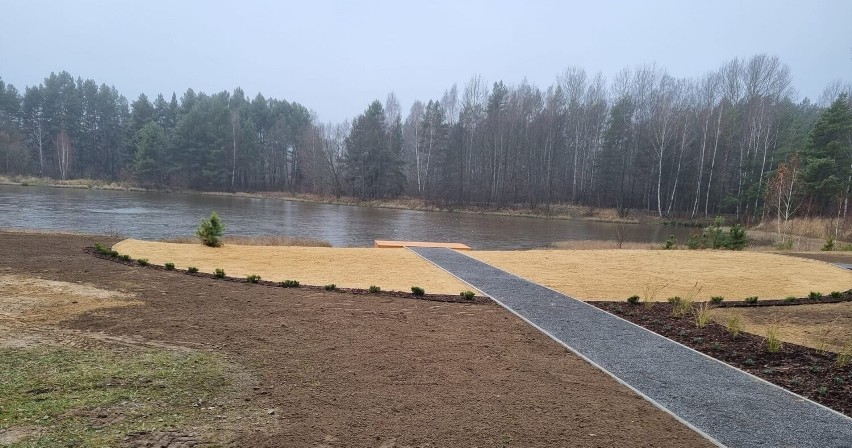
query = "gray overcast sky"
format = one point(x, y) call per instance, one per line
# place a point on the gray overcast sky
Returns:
point(335, 57)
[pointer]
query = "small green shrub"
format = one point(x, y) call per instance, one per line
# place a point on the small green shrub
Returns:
point(694, 241)
point(814, 295)
point(418, 291)
point(674, 300)
point(124, 257)
point(737, 239)
point(633, 300)
point(330, 287)
point(752, 300)
point(469, 295)
point(219, 273)
point(169, 266)
point(374, 289)
point(192, 269)
point(254, 278)
point(210, 231)
point(835, 294)
point(289, 284)
point(748, 362)
point(829, 244)
point(823, 390)
point(142, 262)
point(101, 249)
point(791, 299)
point(671, 243)
point(717, 299)
point(785, 244)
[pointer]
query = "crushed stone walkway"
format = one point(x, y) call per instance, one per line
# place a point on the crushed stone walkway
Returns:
point(725, 404)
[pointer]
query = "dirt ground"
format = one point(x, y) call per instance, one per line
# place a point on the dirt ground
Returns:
point(618, 274)
point(337, 370)
point(390, 269)
point(825, 327)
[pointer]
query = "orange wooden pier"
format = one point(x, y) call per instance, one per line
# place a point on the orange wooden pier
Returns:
point(399, 244)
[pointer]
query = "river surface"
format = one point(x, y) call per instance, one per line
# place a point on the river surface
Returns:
point(150, 215)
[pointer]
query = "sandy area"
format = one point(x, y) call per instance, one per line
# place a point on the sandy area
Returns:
point(618, 274)
point(826, 327)
point(390, 269)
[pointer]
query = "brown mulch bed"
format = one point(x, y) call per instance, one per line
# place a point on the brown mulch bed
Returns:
point(91, 250)
point(803, 370)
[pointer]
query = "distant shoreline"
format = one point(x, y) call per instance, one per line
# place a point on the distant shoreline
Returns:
point(555, 211)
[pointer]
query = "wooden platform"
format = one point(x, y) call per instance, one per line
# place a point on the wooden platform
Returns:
point(398, 244)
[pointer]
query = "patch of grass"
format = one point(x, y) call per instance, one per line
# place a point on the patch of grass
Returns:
point(680, 306)
point(418, 291)
point(823, 390)
point(748, 362)
point(650, 293)
point(254, 278)
point(751, 300)
point(791, 299)
point(330, 287)
point(192, 269)
point(142, 262)
point(814, 295)
point(835, 294)
point(717, 299)
point(219, 273)
point(734, 324)
point(289, 284)
point(845, 355)
point(169, 266)
point(55, 391)
point(633, 300)
point(702, 315)
point(124, 257)
point(468, 295)
point(773, 343)
point(375, 289)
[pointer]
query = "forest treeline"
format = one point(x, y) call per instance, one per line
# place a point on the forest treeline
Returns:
point(735, 141)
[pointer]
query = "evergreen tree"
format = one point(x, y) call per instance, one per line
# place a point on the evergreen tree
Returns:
point(827, 173)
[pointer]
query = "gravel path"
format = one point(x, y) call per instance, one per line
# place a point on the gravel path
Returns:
point(725, 404)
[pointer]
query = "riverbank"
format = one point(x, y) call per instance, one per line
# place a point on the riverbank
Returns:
point(235, 364)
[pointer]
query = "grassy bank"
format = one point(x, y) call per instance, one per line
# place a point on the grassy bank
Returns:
point(56, 396)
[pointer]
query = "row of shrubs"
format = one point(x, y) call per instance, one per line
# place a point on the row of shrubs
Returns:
point(714, 237)
point(254, 278)
point(701, 314)
point(813, 295)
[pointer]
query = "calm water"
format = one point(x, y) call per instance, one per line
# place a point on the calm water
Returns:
point(167, 215)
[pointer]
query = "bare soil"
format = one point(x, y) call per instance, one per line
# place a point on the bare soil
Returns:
point(809, 372)
point(338, 369)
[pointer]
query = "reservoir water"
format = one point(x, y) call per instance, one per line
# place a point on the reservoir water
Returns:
point(154, 215)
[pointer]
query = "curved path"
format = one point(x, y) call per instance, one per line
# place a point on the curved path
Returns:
point(727, 405)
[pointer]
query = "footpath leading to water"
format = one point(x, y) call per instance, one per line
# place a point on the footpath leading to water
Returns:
point(727, 405)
